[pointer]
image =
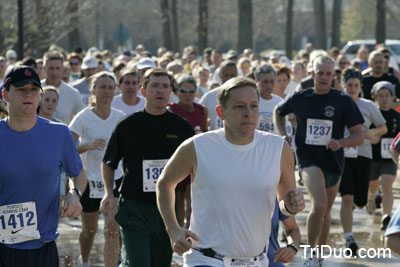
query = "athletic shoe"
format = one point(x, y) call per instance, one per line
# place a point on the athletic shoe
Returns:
point(312, 262)
point(370, 206)
point(351, 244)
point(81, 264)
point(385, 222)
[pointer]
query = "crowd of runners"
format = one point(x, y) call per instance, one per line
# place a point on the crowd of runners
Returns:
point(194, 153)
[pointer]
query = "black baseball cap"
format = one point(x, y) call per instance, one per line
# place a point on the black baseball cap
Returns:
point(20, 75)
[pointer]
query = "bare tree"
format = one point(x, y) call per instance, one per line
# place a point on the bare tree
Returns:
point(245, 34)
point(73, 24)
point(203, 25)
point(380, 28)
point(175, 28)
point(289, 29)
point(336, 22)
point(319, 16)
point(166, 24)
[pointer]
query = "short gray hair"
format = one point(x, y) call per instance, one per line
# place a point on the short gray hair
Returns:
point(323, 60)
point(263, 69)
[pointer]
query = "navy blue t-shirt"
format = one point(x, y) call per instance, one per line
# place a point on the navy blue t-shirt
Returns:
point(30, 171)
point(335, 106)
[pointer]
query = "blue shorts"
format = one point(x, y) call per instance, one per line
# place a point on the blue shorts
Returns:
point(43, 256)
point(394, 224)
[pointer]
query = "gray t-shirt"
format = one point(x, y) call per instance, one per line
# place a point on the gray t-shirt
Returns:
point(83, 86)
point(371, 115)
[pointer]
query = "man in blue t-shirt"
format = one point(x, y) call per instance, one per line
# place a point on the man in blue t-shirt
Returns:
point(34, 150)
point(277, 256)
point(321, 114)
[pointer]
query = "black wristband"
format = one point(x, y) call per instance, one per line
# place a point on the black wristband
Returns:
point(289, 210)
point(293, 246)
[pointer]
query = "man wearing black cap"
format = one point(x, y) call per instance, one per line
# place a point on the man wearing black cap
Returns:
point(36, 149)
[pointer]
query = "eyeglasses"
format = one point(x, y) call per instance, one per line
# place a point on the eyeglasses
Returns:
point(342, 63)
point(189, 91)
point(386, 56)
point(74, 63)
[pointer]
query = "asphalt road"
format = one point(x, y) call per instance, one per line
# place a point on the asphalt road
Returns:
point(365, 227)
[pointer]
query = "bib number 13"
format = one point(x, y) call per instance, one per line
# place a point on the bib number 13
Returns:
point(152, 169)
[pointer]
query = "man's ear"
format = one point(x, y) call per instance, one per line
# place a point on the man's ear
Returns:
point(220, 112)
point(143, 91)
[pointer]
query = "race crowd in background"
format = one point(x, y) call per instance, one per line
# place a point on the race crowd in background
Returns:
point(137, 141)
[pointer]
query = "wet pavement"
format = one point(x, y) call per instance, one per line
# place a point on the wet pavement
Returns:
point(365, 227)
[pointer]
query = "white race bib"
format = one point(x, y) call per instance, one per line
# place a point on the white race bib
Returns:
point(319, 132)
point(266, 124)
point(96, 189)
point(152, 169)
point(18, 223)
point(245, 262)
point(351, 152)
point(385, 146)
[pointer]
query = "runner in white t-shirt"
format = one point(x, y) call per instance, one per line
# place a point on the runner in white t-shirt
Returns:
point(93, 127)
point(265, 76)
point(128, 101)
point(228, 70)
point(236, 172)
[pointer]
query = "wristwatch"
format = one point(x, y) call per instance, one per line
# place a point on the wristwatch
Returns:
point(293, 246)
point(78, 192)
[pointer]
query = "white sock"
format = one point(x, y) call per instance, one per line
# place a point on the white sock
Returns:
point(348, 235)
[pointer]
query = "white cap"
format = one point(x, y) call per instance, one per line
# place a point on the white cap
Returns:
point(92, 50)
point(11, 54)
point(89, 62)
point(145, 63)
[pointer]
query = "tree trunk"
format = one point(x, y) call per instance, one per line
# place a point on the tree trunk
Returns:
point(336, 22)
point(380, 29)
point(289, 29)
point(175, 28)
point(319, 15)
point(245, 35)
point(203, 25)
point(73, 24)
point(42, 40)
point(166, 24)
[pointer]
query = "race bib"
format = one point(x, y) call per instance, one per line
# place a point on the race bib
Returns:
point(18, 223)
point(96, 189)
point(152, 169)
point(351, 152)
point(385, 146)
point(266, 124)
point(245, 262)
point(319, 132)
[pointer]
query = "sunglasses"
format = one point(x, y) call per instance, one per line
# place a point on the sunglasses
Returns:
point(73, 63)
point(386, 57)
point(189, 91)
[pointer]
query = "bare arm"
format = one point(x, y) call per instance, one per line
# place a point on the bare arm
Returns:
point(287, 254)
point(280, 124)
point(380, 130)
point(72, 206)
point(291, 201)
point(96, 144)
point(181, 164)
point(107, 202)
point(355, 138)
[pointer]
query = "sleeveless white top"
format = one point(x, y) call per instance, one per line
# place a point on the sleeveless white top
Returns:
point(233, 193)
